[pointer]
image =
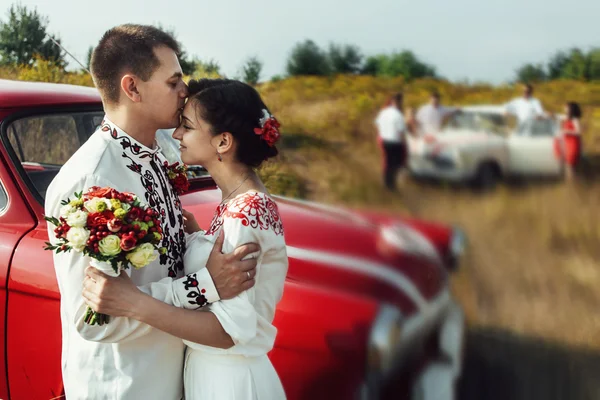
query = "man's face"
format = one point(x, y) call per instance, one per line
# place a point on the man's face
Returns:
point(527, 92)
point(435, 101)
point(163, 95)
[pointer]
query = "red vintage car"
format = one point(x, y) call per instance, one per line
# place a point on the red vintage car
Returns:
point(367, 311)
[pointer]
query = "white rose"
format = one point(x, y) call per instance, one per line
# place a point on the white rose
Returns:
point(77, 238)
point(142, 255)
point(77, 219)
point(97, 204)
point(110, 245)
point(66, 210)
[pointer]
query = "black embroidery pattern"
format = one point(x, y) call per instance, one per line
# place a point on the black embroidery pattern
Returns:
point(135, 167)
point(173, 235)
point(126, 143)
point(175, 241)
point(195, 294)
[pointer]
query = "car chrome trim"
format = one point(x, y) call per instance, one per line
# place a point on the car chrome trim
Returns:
point(364, 266)
point(442, 311)
point(456, 247)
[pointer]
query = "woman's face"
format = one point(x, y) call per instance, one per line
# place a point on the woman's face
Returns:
point(195, 138)
point(567, 111)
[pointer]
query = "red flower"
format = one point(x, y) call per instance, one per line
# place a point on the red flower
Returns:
point(269, 131)
point(126, 197)
point(96, 191)
point(95, 220)
point(177, 175)
point(128, 241)
point(135, 213)
point(114, 225)
point(181, 184)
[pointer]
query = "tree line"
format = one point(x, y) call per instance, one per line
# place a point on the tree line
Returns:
point(24, 37)
point(574, 64)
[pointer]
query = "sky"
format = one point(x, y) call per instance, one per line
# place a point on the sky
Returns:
point(474, 40)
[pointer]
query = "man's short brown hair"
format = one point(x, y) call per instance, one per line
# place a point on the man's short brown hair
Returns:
point(123, 49)
point(398, 98)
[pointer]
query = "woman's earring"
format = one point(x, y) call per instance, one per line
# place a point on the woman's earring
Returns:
point(219, 156)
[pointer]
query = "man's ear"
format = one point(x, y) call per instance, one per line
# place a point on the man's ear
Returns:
point(129, 87)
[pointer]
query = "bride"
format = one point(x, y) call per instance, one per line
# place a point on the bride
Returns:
point(226, 128)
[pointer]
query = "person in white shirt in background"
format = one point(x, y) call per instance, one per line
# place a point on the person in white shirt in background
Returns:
point(391, 130)
point(431, 116)
point(525, 108)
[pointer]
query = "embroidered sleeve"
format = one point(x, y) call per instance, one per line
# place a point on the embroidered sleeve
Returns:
point(237, 316)
point(251, 218)
point(195, 290)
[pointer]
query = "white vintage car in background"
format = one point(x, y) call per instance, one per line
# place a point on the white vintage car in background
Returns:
point(479, 145)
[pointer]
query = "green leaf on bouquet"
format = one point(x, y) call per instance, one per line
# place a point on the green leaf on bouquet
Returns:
point(115, 265)
point(52, 220)
point(78, 195)
point(65, 202)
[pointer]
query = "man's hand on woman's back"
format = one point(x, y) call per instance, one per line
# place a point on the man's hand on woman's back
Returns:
point(230, 273)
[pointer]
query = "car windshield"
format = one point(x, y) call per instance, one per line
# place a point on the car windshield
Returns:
point(478, 122)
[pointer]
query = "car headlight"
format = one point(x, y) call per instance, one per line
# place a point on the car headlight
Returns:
point(385, 335)
point(456, 247)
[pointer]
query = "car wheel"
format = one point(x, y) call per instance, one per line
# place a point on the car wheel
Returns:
point(487, 177)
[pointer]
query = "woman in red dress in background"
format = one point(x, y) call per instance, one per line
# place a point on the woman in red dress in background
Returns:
point(571, 135)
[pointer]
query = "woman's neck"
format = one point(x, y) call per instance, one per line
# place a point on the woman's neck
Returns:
point(233, 179)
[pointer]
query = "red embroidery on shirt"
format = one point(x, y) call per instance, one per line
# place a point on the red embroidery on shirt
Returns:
point(255, 211)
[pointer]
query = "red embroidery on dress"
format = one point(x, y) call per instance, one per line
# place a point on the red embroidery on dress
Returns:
point(255, 211)
point(217, 221)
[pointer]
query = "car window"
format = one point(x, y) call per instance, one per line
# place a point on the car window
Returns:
point(43, 143)
point(3, 198)
point(478, 121)
point(537, 127)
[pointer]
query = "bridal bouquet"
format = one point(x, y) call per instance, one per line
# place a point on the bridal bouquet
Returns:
point(114, 229)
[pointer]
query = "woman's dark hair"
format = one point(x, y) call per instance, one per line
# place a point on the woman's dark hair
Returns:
point(574, 110)
point(235, 107)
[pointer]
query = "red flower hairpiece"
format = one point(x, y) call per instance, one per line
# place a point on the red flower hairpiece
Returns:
point(269, 128)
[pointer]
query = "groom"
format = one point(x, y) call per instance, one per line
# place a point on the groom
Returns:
point(137, 73)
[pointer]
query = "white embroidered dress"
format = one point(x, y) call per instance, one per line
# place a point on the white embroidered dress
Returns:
point(244, 371)
point(124, 359)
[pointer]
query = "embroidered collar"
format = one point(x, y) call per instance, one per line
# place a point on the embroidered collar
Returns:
point(131, 146)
